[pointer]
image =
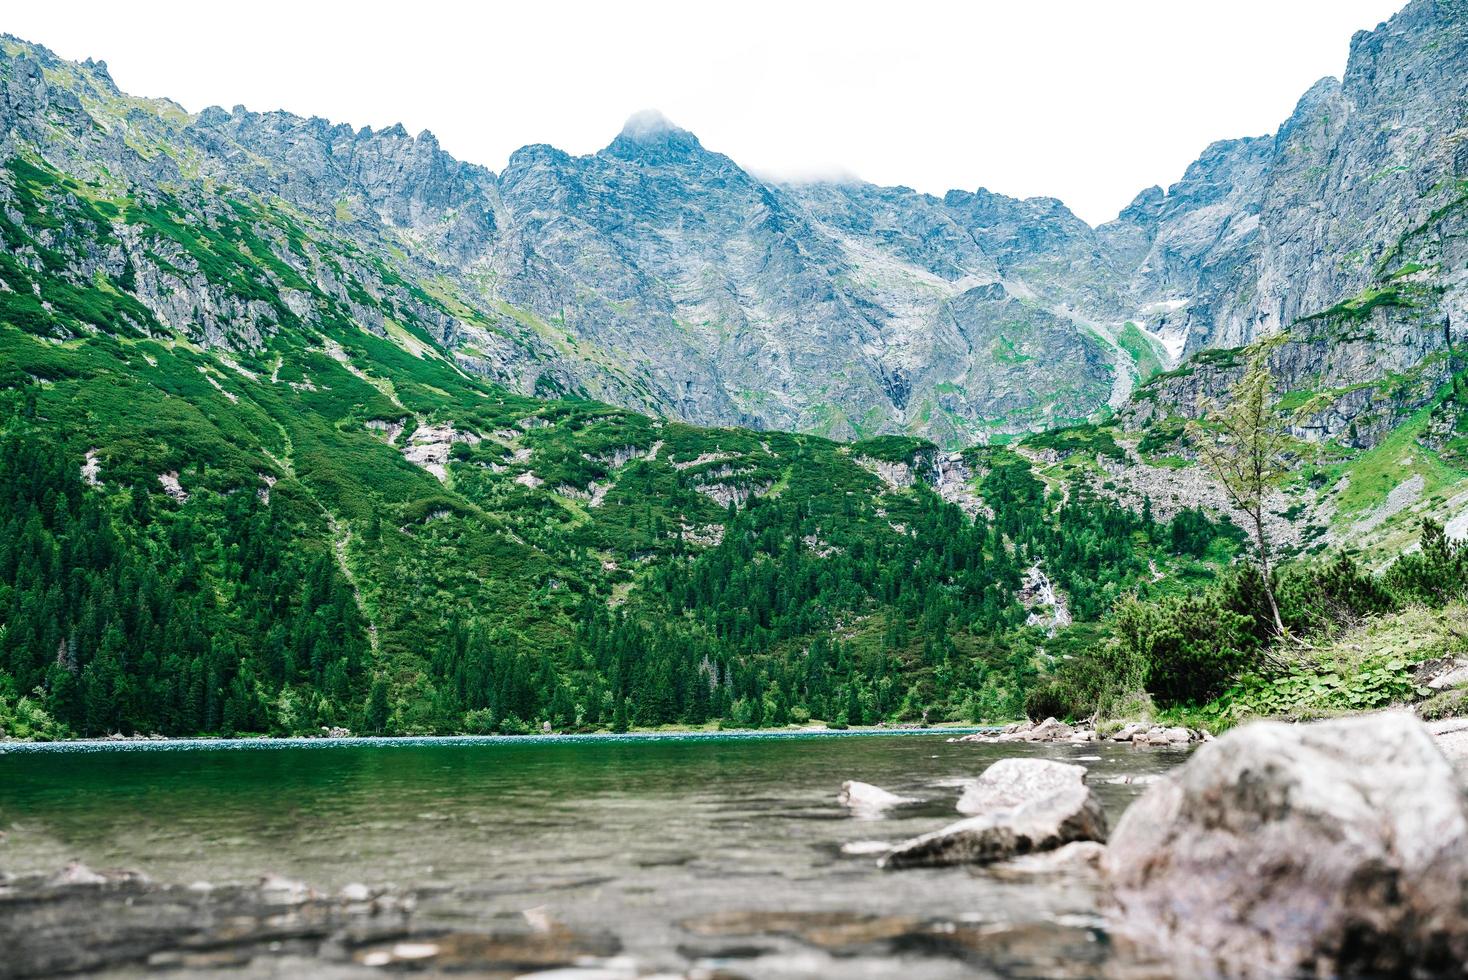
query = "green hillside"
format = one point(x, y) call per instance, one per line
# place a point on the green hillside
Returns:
point(338, 526)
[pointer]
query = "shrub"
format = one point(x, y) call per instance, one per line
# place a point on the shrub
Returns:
point(1336, 595)
point(1242, 593)
point(1189, 646)
point(1192, 532)
point(1311, 692)
point(26, 718)
point(1052, 699)
point(1433, 575)
point(1082, 686)
point(480, 721)
point(510, 725)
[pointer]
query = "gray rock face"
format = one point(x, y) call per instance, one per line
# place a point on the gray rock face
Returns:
point(661, 276)
point(1262, 232)
point(1030, 805)
point(1336, 847)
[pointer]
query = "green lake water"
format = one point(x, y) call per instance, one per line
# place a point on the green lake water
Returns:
point(644, 838)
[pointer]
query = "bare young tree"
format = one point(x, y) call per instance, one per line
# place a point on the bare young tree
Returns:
point(1243, 443)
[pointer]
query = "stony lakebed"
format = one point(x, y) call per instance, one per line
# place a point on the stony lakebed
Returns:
point(1005, 853)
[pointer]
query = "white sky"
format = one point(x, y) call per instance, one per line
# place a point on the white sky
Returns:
point(1086, 100)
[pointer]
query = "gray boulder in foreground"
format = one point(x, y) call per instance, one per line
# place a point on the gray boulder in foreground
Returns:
point(1321, 849)
point(1034, 805)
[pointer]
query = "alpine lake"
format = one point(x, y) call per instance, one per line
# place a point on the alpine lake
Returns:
point(703, 855)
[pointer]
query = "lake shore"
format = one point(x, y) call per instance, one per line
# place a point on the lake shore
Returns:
point(165, 744)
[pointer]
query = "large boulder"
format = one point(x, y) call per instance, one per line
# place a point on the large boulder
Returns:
point(1030, 805)
point(1337, 847)
point(1049, 730)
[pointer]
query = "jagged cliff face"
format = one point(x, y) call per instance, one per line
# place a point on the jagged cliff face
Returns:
point(841, 309)
point(661, 276)
point(1350, 246)
point(1262, 232)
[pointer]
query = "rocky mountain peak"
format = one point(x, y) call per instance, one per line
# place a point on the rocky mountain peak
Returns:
point(1144, 207)
point(648, 123)
point(650, 136)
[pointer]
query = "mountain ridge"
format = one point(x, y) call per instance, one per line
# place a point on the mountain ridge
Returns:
point(659, 275)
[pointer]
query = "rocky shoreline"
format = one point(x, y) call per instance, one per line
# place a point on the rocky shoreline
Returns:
point(1336, 847)
point(1051, 730)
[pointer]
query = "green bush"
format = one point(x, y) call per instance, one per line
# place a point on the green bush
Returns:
point(1305, 692)
point(1434, 574)
point(1189, 647)
point(1083, 685)
point(1052, 699)
point(1242, 593)
point(25, 717)
point(1323, 598)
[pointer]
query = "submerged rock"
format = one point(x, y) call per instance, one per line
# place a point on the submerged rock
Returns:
point(866, 800)
point(838, 930)
point(1029, 805)
point(1335, 847)
point(1082, 857)
point(85, 921)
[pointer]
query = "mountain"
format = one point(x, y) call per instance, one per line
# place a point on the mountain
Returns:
point(259, 476)
point(660, 276)
point(307, 426)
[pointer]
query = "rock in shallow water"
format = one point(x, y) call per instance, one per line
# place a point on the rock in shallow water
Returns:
point(1029, 805)
point(1080, 858)
point(866, 800)
point(1010, 782)
point(1336, 847)
point(95, 921)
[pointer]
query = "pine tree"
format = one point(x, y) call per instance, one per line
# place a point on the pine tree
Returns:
point(375, 712)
